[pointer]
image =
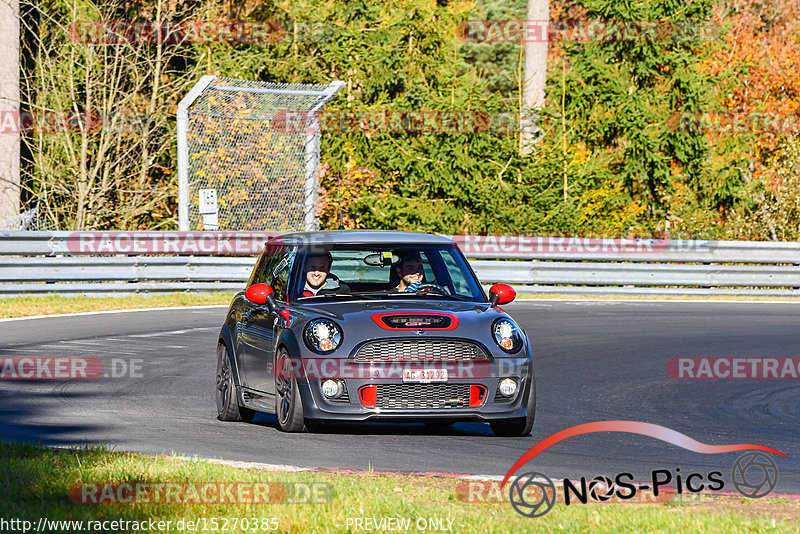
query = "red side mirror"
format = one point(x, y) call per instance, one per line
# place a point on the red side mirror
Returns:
point(258, 293)
point(501, 294)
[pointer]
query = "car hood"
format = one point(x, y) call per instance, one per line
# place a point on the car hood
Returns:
point(352, 310)
point(473, 319)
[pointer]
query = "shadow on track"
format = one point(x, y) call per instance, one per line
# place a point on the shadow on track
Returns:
point(21, 416)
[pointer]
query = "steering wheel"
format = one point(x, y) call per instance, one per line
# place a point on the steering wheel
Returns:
point(432, 287)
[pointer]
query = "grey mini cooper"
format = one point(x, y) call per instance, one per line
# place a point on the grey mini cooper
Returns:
point(372, 326)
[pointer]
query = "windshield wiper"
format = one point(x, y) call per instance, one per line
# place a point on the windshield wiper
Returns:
point(430, 293)
point(377, 295)
point(437, 294)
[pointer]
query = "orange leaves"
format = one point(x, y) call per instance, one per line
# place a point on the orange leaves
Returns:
point(760, 56)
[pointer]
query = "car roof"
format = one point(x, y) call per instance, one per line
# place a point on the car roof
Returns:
point(363, 237)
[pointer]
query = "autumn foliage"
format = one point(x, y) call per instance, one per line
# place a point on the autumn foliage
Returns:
point(617, 154)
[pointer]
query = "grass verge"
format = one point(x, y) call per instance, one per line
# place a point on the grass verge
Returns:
point(55, 304)
point(35, 483)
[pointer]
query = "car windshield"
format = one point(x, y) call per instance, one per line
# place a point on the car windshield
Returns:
point(384, 271)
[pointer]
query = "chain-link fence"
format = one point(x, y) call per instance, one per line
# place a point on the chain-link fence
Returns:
point(236, 169)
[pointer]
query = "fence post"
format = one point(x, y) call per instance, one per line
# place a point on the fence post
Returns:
point(313, 137)
point(183, 150)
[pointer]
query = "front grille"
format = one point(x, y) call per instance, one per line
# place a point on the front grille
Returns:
point(498, 397)
point(419, 350)
point(422, 396)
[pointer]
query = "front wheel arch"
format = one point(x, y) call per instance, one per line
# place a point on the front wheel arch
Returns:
point(288, 399)
point(226, 337)
point(227, 393)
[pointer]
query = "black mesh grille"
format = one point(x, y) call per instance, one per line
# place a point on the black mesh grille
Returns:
point(500, 398)
point(419, 350)
point(422, 396)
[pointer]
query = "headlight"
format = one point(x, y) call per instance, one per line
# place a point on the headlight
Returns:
point(322, 335)
point(507, 335)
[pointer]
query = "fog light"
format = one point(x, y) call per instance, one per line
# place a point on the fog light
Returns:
point(508, 387)
point(332, 388)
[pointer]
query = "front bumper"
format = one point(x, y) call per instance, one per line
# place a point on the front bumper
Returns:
point(492, 406)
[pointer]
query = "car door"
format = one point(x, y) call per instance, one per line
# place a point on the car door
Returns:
point(259, 325)
point(245, 336)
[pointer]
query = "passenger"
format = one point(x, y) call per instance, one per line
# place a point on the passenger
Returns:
point(410, 271)
point(319, 280)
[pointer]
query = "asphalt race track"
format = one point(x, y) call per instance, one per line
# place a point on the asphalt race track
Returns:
point(594, 360)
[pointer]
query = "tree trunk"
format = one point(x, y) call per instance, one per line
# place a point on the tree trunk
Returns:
point(533, 82)
point(9, 109)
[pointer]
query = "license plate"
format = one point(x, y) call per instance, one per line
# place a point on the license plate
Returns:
point(424, 375)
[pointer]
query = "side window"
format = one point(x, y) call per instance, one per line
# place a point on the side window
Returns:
point(459, 281)
point(261, 270)
point(280, 270)
point(430, 277)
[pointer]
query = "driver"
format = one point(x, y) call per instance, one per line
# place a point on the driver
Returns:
point(410, 271)
point(318, 277)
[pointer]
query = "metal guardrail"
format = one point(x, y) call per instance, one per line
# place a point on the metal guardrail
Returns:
point(135, 262)
point(481, 247)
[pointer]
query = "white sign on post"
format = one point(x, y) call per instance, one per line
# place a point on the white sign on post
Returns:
point(208, 201)
point(210, 221)
point(209, 208)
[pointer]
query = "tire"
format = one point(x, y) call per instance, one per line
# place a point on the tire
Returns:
point(521, 426)
point(288, 403)
point(228, 408)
